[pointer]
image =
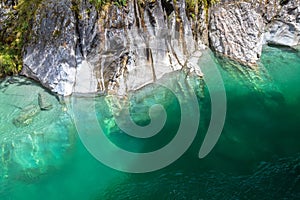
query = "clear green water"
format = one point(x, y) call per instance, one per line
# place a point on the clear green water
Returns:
point(257, 156)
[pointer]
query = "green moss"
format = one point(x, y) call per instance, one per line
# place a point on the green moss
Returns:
point(7, 63)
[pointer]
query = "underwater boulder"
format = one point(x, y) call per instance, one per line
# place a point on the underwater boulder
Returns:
point(26, 115)
point(43, 103)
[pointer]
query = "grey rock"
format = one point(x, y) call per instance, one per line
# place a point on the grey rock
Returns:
point(236, 32)
point(239, 29)
point(26, 115)
point(284, 29)
point(142, 43)
point(44, 104)
point(49, 56)
point(123, 49)
point(75, 48)
point(7, 15)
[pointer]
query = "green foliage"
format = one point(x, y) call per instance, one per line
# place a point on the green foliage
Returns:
point(193, 6)
point(120, 3)
point(8, 61)
point(14, 36)
point(101, 3)
point(205, 3)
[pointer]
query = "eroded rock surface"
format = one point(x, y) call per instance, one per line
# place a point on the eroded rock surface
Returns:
point(236, 32)
point(49, 56)
point(72, 49)
point(75, 47)
point(239, 29)
point(284, 29)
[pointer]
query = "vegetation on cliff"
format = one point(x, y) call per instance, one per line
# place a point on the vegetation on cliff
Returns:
point(14, 34)
point(193, 6)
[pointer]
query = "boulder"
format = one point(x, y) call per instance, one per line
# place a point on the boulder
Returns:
point(49, 56)
point(284, 28)
point(26, 115)
point(236, 32)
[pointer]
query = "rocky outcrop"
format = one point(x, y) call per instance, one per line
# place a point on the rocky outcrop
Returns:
point(236, 32)
point(141, 43)
point(49, 56)
point(73, 49)
point(284, 28)
point(239, 29)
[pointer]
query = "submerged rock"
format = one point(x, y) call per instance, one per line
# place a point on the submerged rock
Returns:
point(43, 103)
point(26, 115)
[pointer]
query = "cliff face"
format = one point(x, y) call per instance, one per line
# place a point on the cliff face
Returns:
point(73, 46)
point(239, 29)
point(50, 54)
point(236, 30)
point(284, 27)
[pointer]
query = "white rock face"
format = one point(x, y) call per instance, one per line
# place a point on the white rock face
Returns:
point(239, 29)
point(284, 29)
point(117, 51)
point(139, 48)
point(123, 49)
point(49, 56)
point(236, 32)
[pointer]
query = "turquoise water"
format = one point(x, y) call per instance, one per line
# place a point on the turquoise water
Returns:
point(256, 157)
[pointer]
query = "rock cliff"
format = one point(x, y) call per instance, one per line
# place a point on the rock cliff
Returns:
point(238, 29)
point(75, 46)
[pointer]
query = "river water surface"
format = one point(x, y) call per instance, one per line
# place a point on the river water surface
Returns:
point(256, 157)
